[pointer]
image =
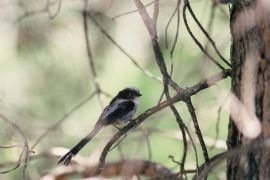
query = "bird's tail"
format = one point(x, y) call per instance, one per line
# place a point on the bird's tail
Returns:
point(68, 156)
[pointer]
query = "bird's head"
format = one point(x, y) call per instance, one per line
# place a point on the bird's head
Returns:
point(129, 93)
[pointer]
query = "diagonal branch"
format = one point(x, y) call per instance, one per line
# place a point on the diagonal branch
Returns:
point(180, 96)
point(212, 42)
point(130, 12)
point(197, 41)
point(62, 119)
point(132, 59)
point(197, 128)
point(149, 23)
point(25, 152)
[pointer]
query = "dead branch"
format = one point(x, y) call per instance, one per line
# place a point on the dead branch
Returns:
point(25, 152)
point(197, 128)
point(42, 10)
point(149, 23)
point(182, 95)
point(131, 12)
point(212, 42)
point(62, 119)
point(53, 15)
point(132, 59)
point(197, 41)
point(177, 27)
point(90, 55)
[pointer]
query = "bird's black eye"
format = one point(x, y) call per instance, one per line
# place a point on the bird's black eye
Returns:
point(131, 94)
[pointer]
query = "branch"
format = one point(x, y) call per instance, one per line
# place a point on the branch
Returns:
point(131, 12)
point(182, 95)
point(151, 27)
point(187, 4)
point(89, 54)
point(197, 41)
point(51, 15)
point(25, 152)
point(42, 10)
point(62, 119)
point(197, 128)
point(177, 27)
point(149, 23)
point(132, 59)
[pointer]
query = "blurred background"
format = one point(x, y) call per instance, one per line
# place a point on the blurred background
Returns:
point(45, 73)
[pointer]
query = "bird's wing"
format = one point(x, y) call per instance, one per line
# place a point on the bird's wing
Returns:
point(116, 111)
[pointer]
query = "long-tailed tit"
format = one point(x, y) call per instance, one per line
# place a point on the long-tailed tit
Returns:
point(120, 110)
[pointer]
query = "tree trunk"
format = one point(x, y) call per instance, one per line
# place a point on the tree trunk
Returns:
point(250, 57)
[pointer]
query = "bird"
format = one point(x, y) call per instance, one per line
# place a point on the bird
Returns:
point(120, 110)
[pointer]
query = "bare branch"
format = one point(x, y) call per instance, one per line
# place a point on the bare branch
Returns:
point(89, 54)
point(212, 42)
point(217, 127)
point(167, 26)
point(25, 151)
point(150, 25)
point(62, 119)
point(177, 27)
point(106, 34)
point(51, 15)
point(197, 128)
point(17, 164)
point(146, 135)
point(155, 14)
point(12, 146)
point(131, 12)
point(197, 41)
point(180, 96)
point(41, 11)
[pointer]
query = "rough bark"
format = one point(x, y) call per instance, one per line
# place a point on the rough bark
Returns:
point(250, 30)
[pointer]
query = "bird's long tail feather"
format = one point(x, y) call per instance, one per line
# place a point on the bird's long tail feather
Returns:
point(68, 156)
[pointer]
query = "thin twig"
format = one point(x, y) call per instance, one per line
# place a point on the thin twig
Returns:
point(51, 15)
point(173, 160)
point(149, 23)
point(37, 11)
point(149, 149)
point(89, 53)
point(217, 126)
point(132, 59)
point(155, 14)
point(132, 11)
point(218, 121)
point(25, 151)
point(62, 119)
point(177, 27)
point(210, 22)
point(167, 26)
point(212, 42)
point(17, 164)
point(197, 41)
point(121, 153)
point(118, 142)
point(12, 146)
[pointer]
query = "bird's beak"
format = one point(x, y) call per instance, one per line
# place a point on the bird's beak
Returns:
point(139, 94)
